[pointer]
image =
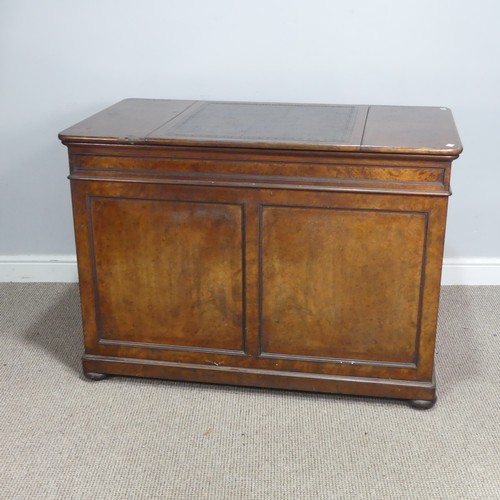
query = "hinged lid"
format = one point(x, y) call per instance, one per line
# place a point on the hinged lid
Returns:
point(374, 129)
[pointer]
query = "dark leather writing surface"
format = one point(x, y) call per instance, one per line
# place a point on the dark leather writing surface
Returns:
point(257, 122)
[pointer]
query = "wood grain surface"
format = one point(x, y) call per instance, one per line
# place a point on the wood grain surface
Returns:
point(288, 246)
point(402, 129)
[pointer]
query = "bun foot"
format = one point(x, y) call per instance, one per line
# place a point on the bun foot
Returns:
point(95, 376)
point(422, 404)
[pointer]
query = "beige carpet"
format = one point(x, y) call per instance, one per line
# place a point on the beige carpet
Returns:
point(63, 437)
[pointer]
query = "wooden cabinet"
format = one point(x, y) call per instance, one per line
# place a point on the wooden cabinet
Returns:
point(273, 245)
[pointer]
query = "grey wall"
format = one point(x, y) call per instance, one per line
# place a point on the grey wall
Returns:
point(61, 61)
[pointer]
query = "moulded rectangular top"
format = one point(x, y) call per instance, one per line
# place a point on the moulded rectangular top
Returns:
point(349, 128)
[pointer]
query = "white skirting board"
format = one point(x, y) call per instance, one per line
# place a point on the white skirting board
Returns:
point(471, 271)
point(38, 268)
point(62, 268)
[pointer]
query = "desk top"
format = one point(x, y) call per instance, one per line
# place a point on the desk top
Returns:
point(310, 127)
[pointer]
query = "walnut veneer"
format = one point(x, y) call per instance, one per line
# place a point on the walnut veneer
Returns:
point(276, 245)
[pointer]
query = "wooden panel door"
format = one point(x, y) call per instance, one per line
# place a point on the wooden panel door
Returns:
point(331, 284)
point(161, 271)
point(341, 283)
point(168, 272)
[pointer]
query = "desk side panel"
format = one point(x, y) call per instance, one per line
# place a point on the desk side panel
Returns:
point(140, 293)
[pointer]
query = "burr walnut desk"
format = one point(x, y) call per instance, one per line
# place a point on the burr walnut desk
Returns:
point(290, 246)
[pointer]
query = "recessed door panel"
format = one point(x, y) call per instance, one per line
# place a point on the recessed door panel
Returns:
point(341, 283)
point(168, 273)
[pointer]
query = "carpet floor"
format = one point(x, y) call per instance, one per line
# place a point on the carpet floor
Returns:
point(63, 437)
